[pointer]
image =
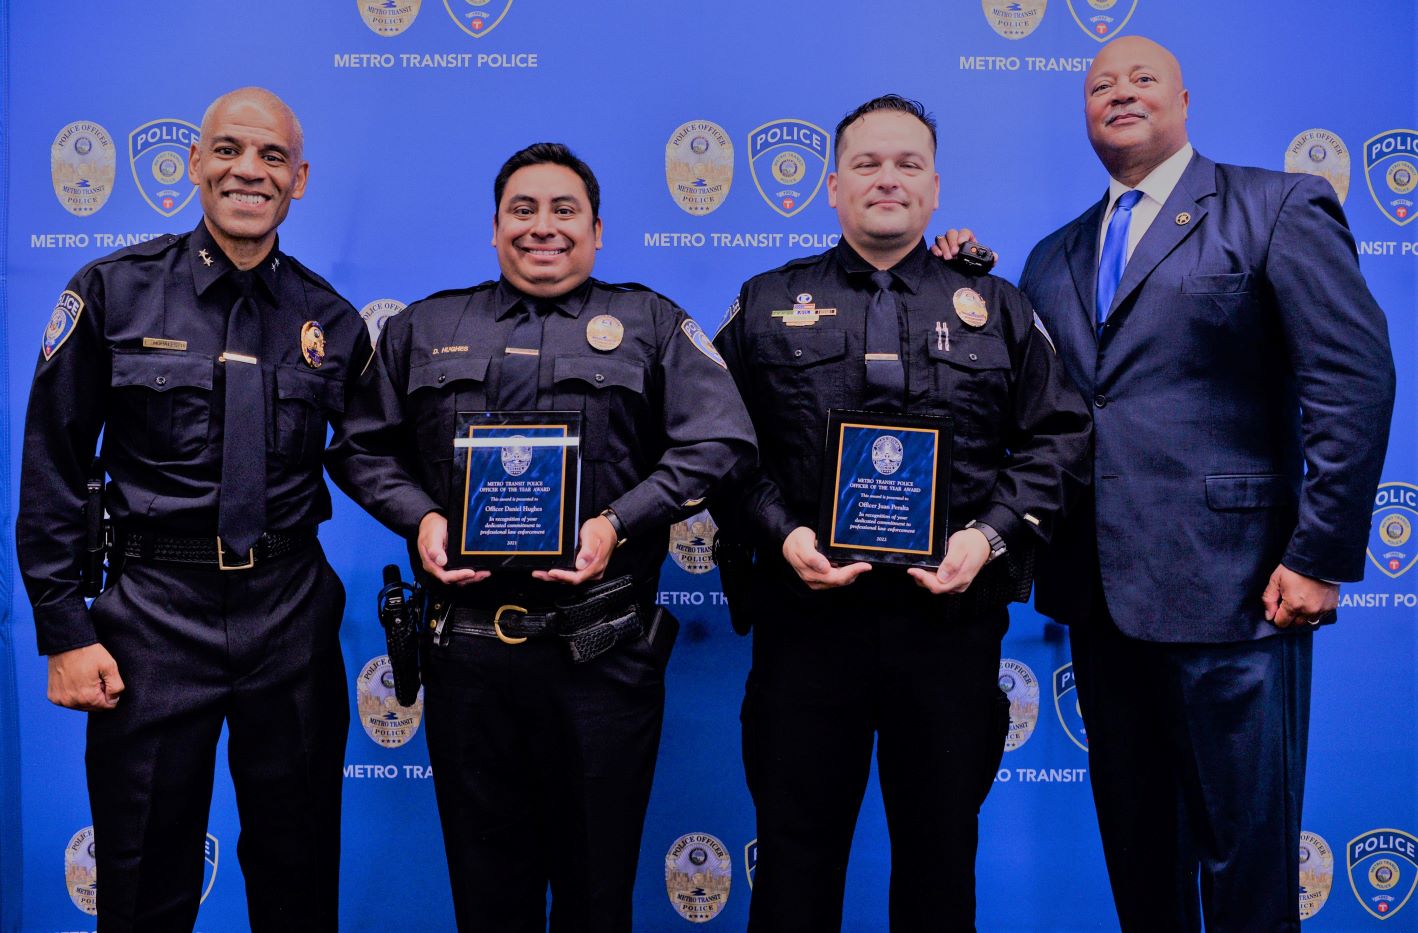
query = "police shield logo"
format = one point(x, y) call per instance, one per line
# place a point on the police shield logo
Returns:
point(209, 865)
point(699, 166)
point(1320, 152)
point(698, 872)
point(82, 166)
point(1014, 20)
point(477, 17)
point(1102, 19)
point(157, 153)
point(1316, 873)
point(750, 861)
point(388, 17)
point(788, 160)
point(1066, 706)
point(376, 313)
point(1017, 681)
point(62, 322)
point(692, 543)
point(516, 458)
point(1392, 547)
point(1391, 168)
point(384, 720)
point(1383, 870)
point(81, 872)
point(886, 454)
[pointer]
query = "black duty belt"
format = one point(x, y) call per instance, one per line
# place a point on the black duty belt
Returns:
point(603, 616)
point(209, 552)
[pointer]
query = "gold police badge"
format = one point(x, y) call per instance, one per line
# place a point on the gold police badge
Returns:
point(970, 307)
point(81, 871)
point(1320, 152)
point(82, 165)
point(1316, 873)
point(388, 17)
point(692, 543)
point(604, 332)
point(699, 166)
point(312, 344)
point(698, 872)
point(1014, 20)
point(1018, 682)
point(384, 720)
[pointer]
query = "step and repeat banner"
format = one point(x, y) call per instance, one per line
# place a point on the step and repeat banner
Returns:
point(710, 128)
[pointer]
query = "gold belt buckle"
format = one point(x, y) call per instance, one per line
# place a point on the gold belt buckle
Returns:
point(497, 624)
point(221, 558)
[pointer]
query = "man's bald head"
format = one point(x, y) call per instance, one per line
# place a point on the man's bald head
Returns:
point(1135, 107)
point(260, 96)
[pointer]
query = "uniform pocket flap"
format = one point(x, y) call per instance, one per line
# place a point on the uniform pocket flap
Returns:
point(1248, 491)
point(1225, 283)
point(801, 349)
point(161, 370)
point(441, 371)
point(601, 372)
point(971, 351)
point(308, 386)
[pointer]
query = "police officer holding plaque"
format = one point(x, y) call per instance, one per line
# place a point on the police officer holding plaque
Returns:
point(496, 422)
point(915, 425)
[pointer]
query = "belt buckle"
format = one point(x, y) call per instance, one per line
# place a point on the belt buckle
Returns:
point(221, 558)
point(497, 624)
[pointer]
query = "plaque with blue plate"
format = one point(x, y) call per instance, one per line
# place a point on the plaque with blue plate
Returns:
point(518, 480)
point(886, 488)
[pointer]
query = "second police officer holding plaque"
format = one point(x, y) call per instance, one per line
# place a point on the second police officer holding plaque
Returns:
point(544, 687)
point(868, 337)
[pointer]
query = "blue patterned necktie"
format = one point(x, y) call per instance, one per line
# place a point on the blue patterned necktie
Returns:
point(886, 378)
point(1115, 251)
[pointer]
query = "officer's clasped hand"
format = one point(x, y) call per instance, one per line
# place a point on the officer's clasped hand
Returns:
point(967, 551)
point(433, 552)
point(812, 567)
point(85, 678)
point(598, 540)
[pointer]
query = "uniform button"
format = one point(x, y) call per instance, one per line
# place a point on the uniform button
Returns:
point(441, 378)
point(797, 353)
point(161, 380)
point(1100, 401)
point(600, 377)
point(973, 357)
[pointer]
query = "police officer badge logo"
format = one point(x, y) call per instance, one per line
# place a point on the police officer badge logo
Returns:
point(1066, 706)
point(376, 313)
point(62, 322)
point(388, 17)
point(970, 307)
point(701, 341)
point(604, 332)
point(1391, 545)
point(82, 165)
point(1014, 20)
point(81, 872)
point(1383, 870)
point(1102, 19)
point(516, 458)
point(692, 543)
point(1391, 168)
point(699, 166)
point(698, 872)
point(312, 344)
point(788, 160)
point(1320, 152)
point(886, 454)
point(1018, 682)
point(1316, 873)
point(157, 153)
point(210, 851)
point(384, 720)
point(750, 861)
point(477, 17)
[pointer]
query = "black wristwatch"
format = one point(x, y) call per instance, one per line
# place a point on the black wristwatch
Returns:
point(997, 546)
point(616, 525)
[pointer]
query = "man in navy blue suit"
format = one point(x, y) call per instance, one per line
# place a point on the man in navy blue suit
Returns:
point(1242, 383)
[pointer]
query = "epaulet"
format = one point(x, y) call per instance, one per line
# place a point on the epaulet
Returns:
point(634, 287)
point(145, 250)
point(458, 292)
point(799, 263)
point(309, 274)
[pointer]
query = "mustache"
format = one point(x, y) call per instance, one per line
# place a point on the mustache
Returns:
point(1124, 113)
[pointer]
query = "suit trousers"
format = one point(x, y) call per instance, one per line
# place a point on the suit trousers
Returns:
point(542, 770)
point(258, 650)
point(1196, 755)
point(825, 682)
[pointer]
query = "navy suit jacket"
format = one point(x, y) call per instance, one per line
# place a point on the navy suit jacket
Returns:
point(1241, 392)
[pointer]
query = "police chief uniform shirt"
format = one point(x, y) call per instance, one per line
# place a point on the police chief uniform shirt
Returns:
point(662, 422)
point(132, 349)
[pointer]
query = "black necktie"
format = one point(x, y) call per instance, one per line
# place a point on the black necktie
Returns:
point(521, 361)
point(241, 503)
point(886, 378)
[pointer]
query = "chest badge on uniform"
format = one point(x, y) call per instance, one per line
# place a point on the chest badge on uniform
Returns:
point(62, 322)
point(803, 312)
point(701, 341)
point(1183, 219)
point(970, 307)
point(312, 344)
point(604, 332)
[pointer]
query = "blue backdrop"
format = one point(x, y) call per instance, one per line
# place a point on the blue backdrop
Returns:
point(409, 107)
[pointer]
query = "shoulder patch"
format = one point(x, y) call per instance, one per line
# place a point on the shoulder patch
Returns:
point(62, 322)
point(701, 341)
point(729, 315)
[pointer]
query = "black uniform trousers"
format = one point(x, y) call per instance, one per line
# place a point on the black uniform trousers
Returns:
point(257, 649)
point(542, 770)
point(832, 671)
point(1196, 754)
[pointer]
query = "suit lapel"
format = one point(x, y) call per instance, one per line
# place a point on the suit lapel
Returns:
point(1081, 249)
point(1197, 183)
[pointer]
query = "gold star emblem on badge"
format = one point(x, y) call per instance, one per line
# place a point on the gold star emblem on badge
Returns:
point(205, 258)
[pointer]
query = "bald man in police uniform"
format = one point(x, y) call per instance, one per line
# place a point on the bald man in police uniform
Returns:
point(542, 761)
point(212, 363)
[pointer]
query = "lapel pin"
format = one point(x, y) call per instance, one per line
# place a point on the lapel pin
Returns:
point(1183, 219)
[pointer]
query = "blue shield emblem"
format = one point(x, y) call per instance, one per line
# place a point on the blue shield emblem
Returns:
point(477, 17)
point(157, 152)
point(1102, 19)
point(788, 159)
point(750, 860)
point(1066, 705)
point(209, 866)
point(1391, 167)
point(1383, 870)
point(1392, 547)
